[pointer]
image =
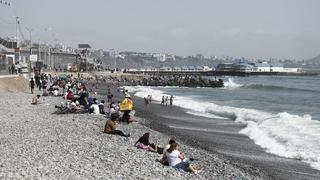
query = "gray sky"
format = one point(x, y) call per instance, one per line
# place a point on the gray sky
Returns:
point(249, 28)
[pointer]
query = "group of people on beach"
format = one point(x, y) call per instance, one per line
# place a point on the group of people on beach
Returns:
point(77, 99)
point(148, 99)
point(165, 100)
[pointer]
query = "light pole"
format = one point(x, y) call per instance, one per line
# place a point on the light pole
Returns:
point(17, 29)
point(30, 46)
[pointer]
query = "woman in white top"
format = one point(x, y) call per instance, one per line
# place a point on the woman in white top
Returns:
point(175, 159)
point(164, 160)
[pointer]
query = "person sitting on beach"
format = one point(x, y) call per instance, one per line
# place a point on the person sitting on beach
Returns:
point(70, 95)
point(143, 143)
point(94, 108)
point(91, 100)
point(177, 160)
point(36, 100)
point(83, 99)
point(164, 160)
point(75, 106)
point(112, 109)
point(101, 107)
point(117, 106)
point(111, 125)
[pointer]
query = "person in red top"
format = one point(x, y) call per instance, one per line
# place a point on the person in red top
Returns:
point(70, 95)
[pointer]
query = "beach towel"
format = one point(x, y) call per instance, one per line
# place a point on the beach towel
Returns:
point(142, 146)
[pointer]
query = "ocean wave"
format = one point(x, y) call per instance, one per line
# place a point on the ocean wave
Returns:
point(283, 134)
point(230, 84)
point(274, 88)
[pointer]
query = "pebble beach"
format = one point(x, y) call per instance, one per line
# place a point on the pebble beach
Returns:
point(36, 144)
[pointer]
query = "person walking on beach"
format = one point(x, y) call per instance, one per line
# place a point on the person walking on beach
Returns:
point(126, 107)
point(111, 125)
point(38, 83)
point(171, 100)
point(31, 84)
point(44, 86)
point(13, 68)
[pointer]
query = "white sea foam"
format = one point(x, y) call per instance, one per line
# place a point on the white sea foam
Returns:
point(230, 84)
point(208, 115)
point(283, 134)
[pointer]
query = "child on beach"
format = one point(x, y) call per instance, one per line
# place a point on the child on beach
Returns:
point(177, 160)
point(111, 125)
point(36, 100)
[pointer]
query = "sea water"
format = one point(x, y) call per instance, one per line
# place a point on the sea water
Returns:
point(281, 113)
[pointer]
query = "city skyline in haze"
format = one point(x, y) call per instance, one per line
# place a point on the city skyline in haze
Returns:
point(247, 28)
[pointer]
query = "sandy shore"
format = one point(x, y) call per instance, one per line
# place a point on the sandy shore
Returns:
point(34, 144)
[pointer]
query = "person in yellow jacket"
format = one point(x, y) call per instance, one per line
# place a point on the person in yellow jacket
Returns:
point(126, 107)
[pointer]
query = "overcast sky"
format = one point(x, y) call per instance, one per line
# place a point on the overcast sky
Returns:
point(240, 28)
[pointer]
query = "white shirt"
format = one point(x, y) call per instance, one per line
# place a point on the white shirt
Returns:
point(111, 111)
point(55, 92)
point(96, 109)
point(173, 158)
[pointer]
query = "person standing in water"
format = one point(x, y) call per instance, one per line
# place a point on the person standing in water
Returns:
point(166, 100)
point(171, 100)
point(162, 101)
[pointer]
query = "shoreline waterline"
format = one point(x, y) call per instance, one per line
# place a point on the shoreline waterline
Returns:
point(226, 129)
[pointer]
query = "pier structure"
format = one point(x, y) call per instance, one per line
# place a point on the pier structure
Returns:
point(222, 73)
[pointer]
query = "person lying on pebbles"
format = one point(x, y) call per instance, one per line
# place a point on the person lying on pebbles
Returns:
point(178, 161)
point(111, 125)
point(143, 143)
